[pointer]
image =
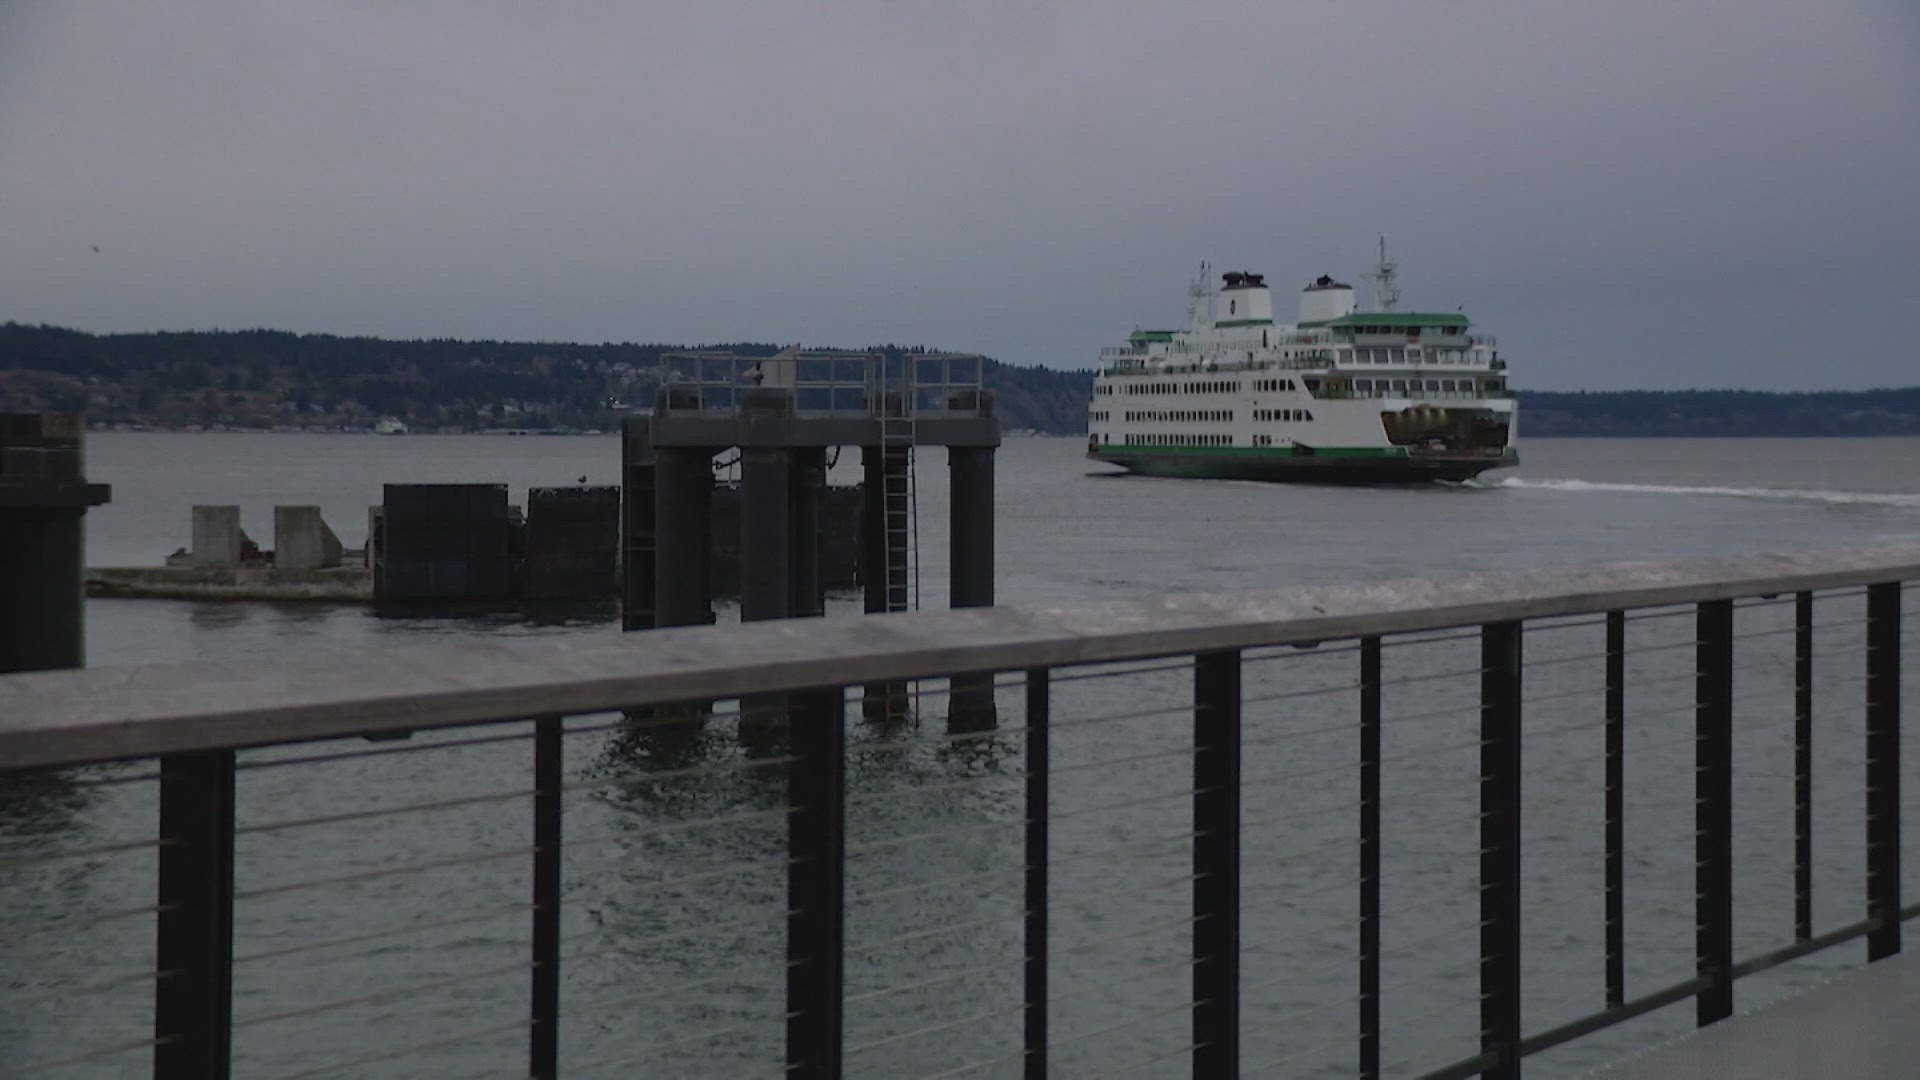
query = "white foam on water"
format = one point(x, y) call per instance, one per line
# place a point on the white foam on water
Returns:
point(1864, 498)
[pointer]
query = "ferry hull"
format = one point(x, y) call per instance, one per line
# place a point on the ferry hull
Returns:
point(1317, 468)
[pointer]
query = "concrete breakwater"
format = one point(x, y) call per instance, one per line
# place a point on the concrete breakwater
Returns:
point(350, 584)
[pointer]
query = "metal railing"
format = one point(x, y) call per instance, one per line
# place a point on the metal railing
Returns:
point(827, 384)
point(1271, 832)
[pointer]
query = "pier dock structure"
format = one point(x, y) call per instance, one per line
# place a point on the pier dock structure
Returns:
point(782, 414)
point(44, 497)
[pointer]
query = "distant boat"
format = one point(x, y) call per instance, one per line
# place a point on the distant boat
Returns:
point(387, 425)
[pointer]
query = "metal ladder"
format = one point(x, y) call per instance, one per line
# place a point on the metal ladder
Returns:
point(898, 492)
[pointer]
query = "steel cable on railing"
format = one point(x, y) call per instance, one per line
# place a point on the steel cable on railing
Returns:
point(1011, 785)
point(726, 975)
point(976, 1066)
point(380, 995)
point(1181, 844)
point(1346, 726)
point(950, 830)
point(1297, 1015)
point(680, 827)
point(100, 781)
point(866, 947)
point(91, 1055)
point(630, 945)
point(391, 871)
point(931, 1029)
point(10, 860)
point(1299, 974)
point(1066, 980)
point(412, 928)
point(1346, 806)
point(778, 862)
point(362, 815)
point(1184, 709)
point(1135, 759)
point(1288, 695)
point(938, 980)
point(1157, 1059)
point(256, 764)
point(1125, 935)
point(1639, 747)
point(1082, 1036)
point(1299, 774)
point(407, 1051)
point(1429, 752)
point(894, 891)
point(950, 739)
point(1470, 709)
point(1107, 808)
point(69, 993)
point(64, 924)
point(747, 765)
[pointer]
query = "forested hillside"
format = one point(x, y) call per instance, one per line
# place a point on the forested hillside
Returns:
point(268, 379)
point(275, 380)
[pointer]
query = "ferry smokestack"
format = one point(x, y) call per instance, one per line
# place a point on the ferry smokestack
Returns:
point(1325, 299)
point(1244, 300)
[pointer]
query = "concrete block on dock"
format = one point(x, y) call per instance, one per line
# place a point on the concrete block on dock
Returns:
point(302, 540)
point(217, 537)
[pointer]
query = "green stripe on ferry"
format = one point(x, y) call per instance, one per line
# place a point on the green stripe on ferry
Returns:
point(1252, 451)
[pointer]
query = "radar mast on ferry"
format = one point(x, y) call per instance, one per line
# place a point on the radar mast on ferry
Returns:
point(1200, 299)
point(1386, 281)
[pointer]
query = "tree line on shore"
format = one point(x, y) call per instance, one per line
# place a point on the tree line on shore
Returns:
point(275, 380)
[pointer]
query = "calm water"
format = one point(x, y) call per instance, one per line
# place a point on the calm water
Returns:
point(657, 902)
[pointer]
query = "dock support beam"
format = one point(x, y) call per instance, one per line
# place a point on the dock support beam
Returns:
point(43, 498)
point(683, 574)
point(970, 570)
point(638, 528)
point(767, 547)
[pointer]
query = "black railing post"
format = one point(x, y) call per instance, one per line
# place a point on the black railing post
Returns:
point(1883, 770)
point(1369, 858)
point(1803, 766)
point(1713, 810)
point(544, 1033)
point(1038, 764)
point(193, 999)
point(1500, 848)
point(1616, 812)
point(816, 883)
point(1216, 864)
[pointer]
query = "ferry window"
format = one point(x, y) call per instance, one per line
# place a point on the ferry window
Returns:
point(1399, 384)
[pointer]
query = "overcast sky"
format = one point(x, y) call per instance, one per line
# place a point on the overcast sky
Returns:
point(1636, 193)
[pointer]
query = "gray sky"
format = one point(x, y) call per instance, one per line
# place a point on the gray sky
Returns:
point(1630, 193)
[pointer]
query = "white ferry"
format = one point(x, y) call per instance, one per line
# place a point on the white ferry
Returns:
point(1341, 395)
